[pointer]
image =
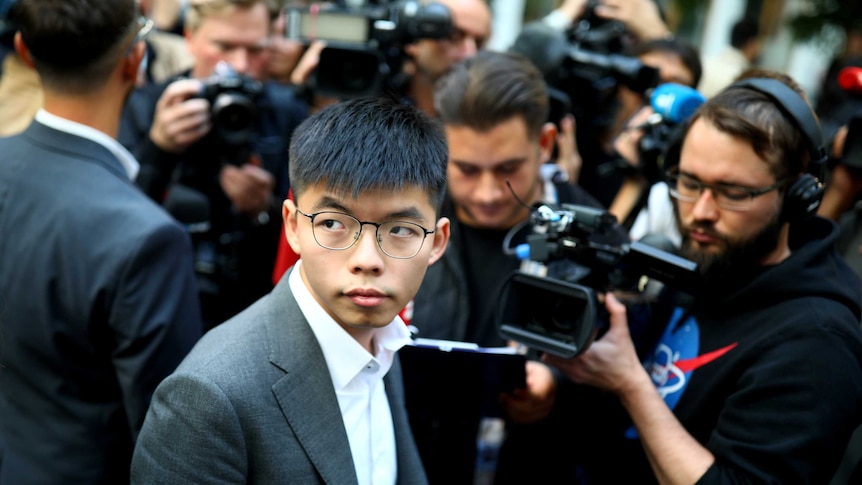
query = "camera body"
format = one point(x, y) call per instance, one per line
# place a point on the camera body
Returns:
point(558, 312)
point(234, 110)
point(592, 67)
point(364, 54)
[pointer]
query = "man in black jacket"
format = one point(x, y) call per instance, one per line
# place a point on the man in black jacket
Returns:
point(494, 109)
point(213, 149)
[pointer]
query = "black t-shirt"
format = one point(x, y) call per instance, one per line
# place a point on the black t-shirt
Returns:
point(487, 267)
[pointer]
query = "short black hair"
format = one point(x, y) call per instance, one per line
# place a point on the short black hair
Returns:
point(75, 44)
point(686, 52)
point(743, 31)
point(369, 143)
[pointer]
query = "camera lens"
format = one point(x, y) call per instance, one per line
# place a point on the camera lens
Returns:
point(234, 116)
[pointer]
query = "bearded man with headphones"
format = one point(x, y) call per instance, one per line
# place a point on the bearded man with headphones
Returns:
point(756, 376)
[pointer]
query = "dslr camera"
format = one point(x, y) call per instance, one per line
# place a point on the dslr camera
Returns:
point(364, 45)
point(233, 105)
point(558, 312)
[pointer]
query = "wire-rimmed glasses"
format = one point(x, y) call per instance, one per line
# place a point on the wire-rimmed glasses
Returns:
point(145, 26)
point(731, 197)
point(339, 231)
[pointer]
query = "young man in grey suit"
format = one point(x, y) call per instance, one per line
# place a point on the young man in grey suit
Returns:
point(304, 386)
point(97, 295)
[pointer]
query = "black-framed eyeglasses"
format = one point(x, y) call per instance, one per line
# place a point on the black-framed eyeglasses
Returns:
point(145, 26)
point(339, 231)
point(731, 197)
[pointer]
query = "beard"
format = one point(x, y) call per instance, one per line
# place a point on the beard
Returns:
point(739, 257)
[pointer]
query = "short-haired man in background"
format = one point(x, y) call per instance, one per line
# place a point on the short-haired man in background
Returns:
point(98, 301)
point(494, 109)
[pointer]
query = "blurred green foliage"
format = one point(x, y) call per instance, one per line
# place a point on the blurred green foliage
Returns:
point(819, 18)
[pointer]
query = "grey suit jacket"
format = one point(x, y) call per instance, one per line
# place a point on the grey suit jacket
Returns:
point(254, 403)
point(97, 305)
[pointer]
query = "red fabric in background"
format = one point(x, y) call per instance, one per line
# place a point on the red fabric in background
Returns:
point(285, 257)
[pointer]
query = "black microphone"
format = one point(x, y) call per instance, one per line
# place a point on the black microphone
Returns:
point(189, 207)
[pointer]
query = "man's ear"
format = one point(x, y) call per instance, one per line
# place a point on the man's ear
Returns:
point(132, 62)
point(440, 240)
point(288, 214)
point(547, 140)
point(22, 51)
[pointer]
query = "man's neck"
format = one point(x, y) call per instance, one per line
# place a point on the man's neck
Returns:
point(99, 110)
point(422, 91)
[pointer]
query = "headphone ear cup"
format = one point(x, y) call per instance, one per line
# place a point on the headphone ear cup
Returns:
point(802, 198)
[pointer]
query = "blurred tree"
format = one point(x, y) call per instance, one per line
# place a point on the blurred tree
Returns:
point(818, 20)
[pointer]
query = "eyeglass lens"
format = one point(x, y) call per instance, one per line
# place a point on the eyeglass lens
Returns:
point(399, 239)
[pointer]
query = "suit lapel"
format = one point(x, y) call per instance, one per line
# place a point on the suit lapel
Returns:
point(305, 394)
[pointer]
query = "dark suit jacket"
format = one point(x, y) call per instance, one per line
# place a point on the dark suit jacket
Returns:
point(254, 403)
point(97, 306)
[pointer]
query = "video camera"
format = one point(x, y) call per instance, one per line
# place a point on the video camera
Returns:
point(364, 54)
point(558, 312)
point(586, 64)
point(233, 106)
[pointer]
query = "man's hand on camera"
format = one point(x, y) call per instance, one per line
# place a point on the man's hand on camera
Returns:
point(181, 119)
point(249, 187)
point(611, 362)
point(535, 402)
point(307, 63)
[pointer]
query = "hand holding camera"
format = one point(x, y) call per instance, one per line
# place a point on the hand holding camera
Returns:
point(249, 187)
point(225, 102)
point(181, 119)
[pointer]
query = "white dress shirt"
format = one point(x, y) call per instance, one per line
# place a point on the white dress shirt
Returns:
point(358, 380)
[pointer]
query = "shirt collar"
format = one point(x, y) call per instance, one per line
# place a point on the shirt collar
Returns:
point(130, 165)
point(345, 357)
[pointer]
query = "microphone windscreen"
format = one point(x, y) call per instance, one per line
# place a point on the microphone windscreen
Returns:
point(850, 79)
point(675, 102)
point(187, 206)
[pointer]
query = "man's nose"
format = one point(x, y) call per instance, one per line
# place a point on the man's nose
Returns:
point(238, 59)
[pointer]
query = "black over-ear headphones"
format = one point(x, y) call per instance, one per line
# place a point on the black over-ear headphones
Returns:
point(802, 197)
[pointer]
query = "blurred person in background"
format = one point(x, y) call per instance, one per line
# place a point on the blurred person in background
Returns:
point(743, 52)
point(213, 146)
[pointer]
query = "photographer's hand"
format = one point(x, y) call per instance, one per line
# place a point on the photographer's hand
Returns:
point(641, 17)
point(249, 187)
point(626, 146)
point(180, 119)
point(568, 157)
point(611, 363)
point(535, 401)
point(307, 63)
